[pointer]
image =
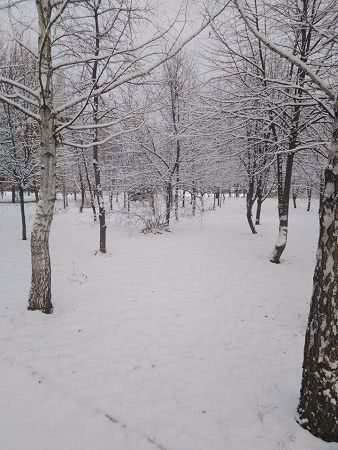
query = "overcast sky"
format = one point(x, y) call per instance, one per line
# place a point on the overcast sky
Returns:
point(25, 15)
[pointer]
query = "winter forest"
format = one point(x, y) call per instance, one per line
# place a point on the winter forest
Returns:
point(169, 225)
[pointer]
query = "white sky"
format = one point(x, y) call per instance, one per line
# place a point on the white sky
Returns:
point(23, 16)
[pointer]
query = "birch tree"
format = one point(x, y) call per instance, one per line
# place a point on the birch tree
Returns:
point(317, 409)
point(55, 118)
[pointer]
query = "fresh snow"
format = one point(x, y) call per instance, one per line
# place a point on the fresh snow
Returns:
point(190, 340)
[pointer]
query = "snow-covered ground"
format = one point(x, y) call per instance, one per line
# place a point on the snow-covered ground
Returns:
point(190, 340)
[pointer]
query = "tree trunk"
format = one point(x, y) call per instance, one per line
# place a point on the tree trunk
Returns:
point(283, 207)
point(183, 199)
point(97, 169)
point(317, 409)
point(321, 193)
point(284, 194)
point(168, 203)
point(40, 291)
point(260, 199)
point(258, 210)
point(193, 198)
point(99, 196)
point(64, 194)
point(111, 199)
point(309, 197)
point(64, 191)
point(103, 228)
point(176, 201)
point(91, 194)
point(82, 189)
point(202, 203)
point(294, 198)
point(249, 205)
point(23, 216)
point(249, 218)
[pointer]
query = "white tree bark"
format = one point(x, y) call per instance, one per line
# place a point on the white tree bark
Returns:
point(318, 405)
point(40, 291)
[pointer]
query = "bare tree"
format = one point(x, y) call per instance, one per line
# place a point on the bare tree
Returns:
point(317, 409)
point(55, 118)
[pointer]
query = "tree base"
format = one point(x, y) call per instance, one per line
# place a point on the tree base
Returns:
point(275, 261)
point(44, 310)
point(314, 430)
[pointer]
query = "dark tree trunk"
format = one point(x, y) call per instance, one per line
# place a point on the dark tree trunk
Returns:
point(249, 218)
point(183, 199)
point(219, 198)
point(309, 197)
point(96, 164)
point(176, 202)
point(249, 204)
point(100, 201)
point(102, 218)
point(64, 197)
point(258, 210)
point(23, 216)
point(193, 198)
point(202, 203)
point(168, 203)
point(82, 189)
point(91, 194)
point(64, 192)
point(111, 199)
point(214, 205)
point(283, 206)
point(294, 198)
point(321, 193)
point(318, 405)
